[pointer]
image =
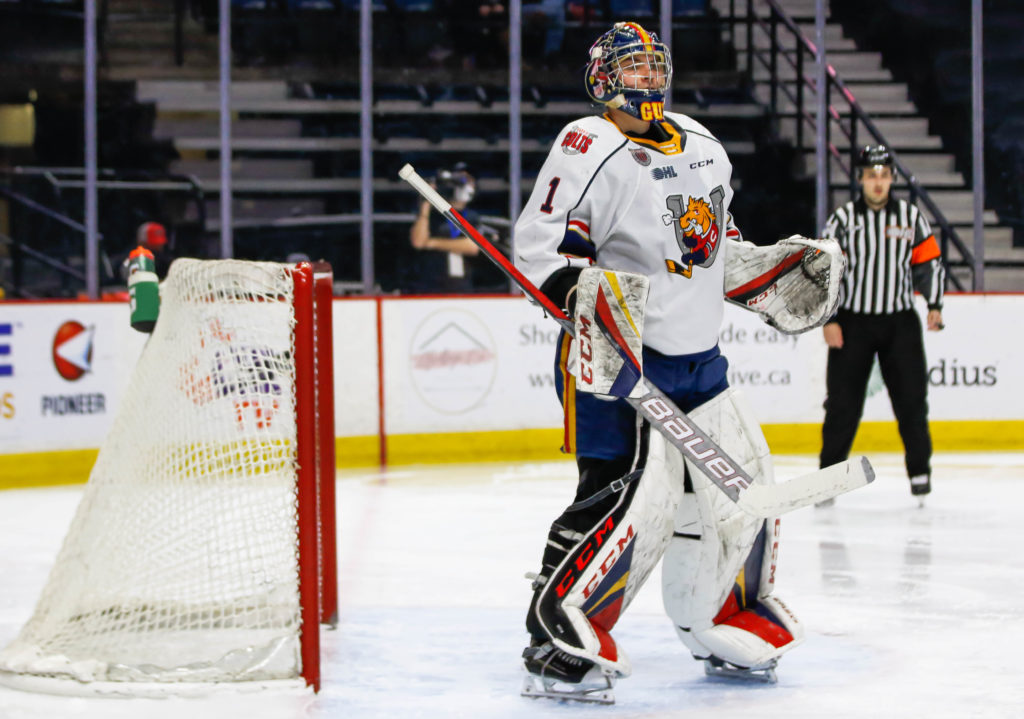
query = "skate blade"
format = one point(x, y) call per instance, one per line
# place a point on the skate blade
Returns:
point(761, 675)
point(536, 687)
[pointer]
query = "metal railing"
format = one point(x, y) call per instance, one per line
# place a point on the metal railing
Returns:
point(18, 251)
point(803, 52)
point(21, 251)
point(58, 229)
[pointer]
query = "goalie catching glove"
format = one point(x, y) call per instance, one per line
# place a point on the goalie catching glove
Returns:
point(793, 284)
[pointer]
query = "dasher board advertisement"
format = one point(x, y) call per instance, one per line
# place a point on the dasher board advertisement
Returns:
point(63, 367)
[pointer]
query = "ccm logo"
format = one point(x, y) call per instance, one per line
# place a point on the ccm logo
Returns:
point(774, 289)
point(718, 465)
point(585, 554)
point(702, 163)
point(586, 349)
point(614, 552)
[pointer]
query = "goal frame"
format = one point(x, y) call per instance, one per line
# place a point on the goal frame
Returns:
point(314, 415)
point(314, 531)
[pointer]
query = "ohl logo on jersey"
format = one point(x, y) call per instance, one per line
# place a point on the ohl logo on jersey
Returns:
point(699, 225)
point(577, 142)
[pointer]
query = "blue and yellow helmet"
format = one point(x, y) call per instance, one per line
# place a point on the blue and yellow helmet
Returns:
point(621, 61)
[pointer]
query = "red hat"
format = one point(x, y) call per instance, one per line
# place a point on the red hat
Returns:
point(152, 234)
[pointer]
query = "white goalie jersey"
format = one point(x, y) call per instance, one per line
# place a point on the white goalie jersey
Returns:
point(656, 205)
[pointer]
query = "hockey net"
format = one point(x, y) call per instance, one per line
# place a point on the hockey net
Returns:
point(202, 551)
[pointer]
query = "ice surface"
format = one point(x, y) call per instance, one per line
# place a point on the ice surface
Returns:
point(909, 612)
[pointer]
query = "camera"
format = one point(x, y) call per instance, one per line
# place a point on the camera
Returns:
point(456, 184)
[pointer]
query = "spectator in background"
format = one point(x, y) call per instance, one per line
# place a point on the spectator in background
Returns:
point(440, 265)
point(153, 236)
point(545, 20)
point(890, 251)
point(479, 31)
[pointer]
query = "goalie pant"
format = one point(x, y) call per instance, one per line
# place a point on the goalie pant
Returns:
point(719, 565)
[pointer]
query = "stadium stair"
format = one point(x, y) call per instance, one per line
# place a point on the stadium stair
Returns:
point(888, 103)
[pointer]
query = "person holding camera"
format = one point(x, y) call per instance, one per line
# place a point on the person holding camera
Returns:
point(441, 265)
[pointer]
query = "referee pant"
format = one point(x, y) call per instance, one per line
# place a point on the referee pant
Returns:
point(896, 339)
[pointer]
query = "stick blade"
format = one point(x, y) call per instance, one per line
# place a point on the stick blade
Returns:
point(772, 500)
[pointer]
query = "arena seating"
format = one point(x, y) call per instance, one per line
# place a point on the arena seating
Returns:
point(296, 143)
point(928, 43)
point(296, 134)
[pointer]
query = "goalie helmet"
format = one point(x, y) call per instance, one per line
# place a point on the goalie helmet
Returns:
point(630, 70)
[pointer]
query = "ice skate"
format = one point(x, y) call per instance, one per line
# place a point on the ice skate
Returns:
point(554, 674)
point(765, 673)
point(920, 487)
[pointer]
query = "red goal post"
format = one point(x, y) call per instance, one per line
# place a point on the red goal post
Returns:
point(202, 554)
point(314, 285)
point(314, 412)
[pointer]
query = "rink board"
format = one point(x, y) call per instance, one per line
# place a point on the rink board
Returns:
point(421, 380)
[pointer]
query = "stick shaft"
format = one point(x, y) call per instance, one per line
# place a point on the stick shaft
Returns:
point(692, 442)
point(442, 205)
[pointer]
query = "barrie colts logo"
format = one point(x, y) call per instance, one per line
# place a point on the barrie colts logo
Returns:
point(577, 142)
point(698, 226)
point(661, 173)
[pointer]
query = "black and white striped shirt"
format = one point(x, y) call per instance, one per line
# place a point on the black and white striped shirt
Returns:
point(889, 253)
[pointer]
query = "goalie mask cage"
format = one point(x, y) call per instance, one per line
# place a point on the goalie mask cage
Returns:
point(202, 553)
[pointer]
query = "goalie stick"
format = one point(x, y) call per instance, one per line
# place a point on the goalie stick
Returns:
point(662, 413)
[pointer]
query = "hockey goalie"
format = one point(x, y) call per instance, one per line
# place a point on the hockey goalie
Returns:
point(628, 228)
point(719, 561)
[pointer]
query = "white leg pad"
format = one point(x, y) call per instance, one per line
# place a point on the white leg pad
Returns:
point(750, 639)
point(719, 568)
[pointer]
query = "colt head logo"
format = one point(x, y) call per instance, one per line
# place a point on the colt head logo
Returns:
point(699, 225)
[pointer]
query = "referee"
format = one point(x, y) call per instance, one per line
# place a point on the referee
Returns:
point(890, 252)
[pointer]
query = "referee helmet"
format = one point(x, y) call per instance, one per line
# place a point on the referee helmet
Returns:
point(875, 156)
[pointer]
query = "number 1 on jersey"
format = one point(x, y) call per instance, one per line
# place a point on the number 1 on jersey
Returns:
point(547, 207)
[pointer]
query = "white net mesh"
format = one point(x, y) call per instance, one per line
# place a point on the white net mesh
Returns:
point(181, 563)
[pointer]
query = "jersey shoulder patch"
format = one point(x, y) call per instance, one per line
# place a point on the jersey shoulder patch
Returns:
point(590, 138)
